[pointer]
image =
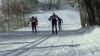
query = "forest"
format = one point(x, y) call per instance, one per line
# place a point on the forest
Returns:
point(14, 13)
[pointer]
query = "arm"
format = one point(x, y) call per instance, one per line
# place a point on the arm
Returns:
point(50, 18)
point(61, 20)
point(57, 18)
point(29, 21)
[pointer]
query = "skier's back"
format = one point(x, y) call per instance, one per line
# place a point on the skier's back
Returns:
point(60, 21)
point(34, 23)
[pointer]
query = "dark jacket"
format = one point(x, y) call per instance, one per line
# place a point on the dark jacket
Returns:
point(33, 20)
point(53, 18)
point(60, 21)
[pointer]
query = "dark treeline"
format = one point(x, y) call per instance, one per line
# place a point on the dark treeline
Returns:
point(15, 11)
point(89, 10)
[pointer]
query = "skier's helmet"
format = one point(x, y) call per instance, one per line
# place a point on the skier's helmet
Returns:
point(53, 13)
point(32, 16)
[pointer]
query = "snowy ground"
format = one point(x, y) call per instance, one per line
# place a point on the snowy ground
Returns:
point(80, 42)
point(69, 17)
point(71, 41)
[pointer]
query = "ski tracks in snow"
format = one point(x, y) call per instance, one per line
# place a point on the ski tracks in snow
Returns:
point(66, 43)
point(23, 49)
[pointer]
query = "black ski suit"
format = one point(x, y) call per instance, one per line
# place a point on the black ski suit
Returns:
point(53, 20)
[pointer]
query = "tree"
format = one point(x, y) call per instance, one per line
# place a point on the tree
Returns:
point(91, 12)
point(15, 11)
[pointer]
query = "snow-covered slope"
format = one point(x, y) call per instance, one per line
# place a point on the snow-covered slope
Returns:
point(69, 17)
point(80, 42)
point(72, 41)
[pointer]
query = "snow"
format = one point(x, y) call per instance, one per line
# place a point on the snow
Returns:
point(71, 41)
point(66, 15)
point(69, 18)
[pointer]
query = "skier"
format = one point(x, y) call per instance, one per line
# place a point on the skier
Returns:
point(60, 21)
point(53, 20)
point(34, 23)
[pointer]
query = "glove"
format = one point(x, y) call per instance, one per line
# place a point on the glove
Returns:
point(49, 19)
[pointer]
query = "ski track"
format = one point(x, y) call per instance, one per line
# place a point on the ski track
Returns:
point(86, 48)
point(71, 41)
point(78, 43)
point(21, 50)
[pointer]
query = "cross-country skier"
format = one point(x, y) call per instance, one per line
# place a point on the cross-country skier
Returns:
point(34, 23)
point(60, 21)
point(53, 20)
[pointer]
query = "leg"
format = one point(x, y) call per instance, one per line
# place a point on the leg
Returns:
point(35, 29)
point(59, 27)
point(56, 27)
point(32, 27)
point(52, 28)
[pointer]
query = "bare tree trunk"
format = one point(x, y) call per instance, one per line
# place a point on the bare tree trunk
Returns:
point(8, 15)
point(87, 13)
point(83, 13)
point(97, 10)
point(91, 13)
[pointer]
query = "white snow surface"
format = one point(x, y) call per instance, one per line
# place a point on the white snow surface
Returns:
point(69, 18)
point(71, 41)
